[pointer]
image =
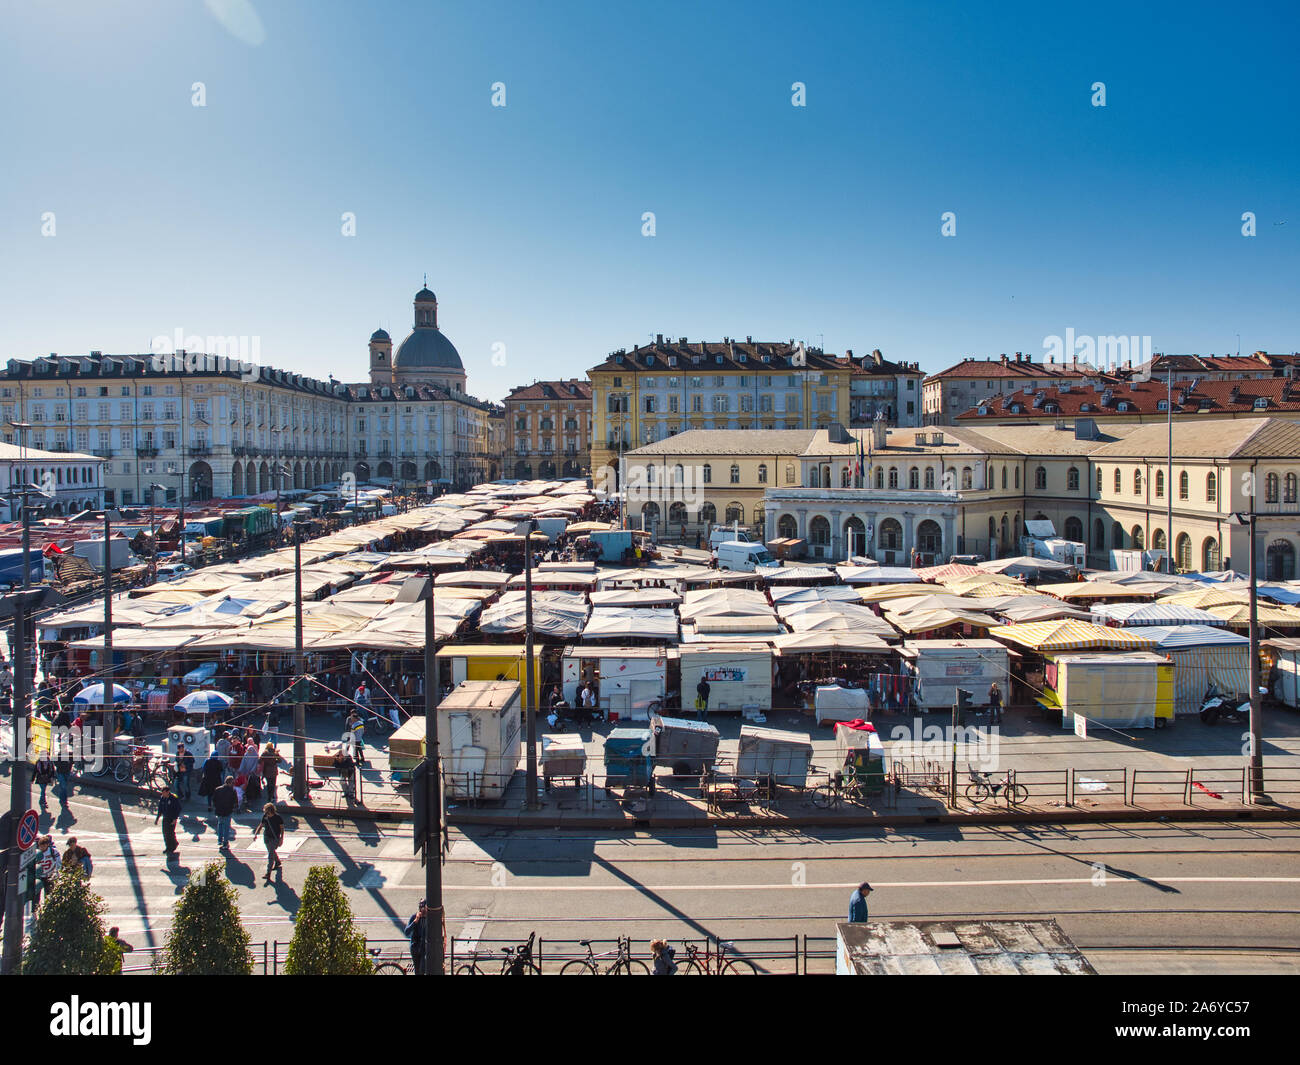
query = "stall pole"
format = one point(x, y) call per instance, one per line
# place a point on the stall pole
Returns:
point(20, 791)
point(107, 678)
point(434, 960)
point(1256, 759)
point(530, 707)
point(299, 707)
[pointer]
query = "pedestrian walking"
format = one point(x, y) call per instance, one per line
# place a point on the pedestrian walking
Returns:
point(48, 861)
point(270, 766)
point(211, 779)
point(169, 812)
point(702, 699)
point(184, 767)
point(224, 801)
point(63, 773)
point(416, 930)
point(115, 938)
point(858, 904)
point(77, 855)
point(995, 704)
point(272, 828)
point(357, 730)
point(44, 774)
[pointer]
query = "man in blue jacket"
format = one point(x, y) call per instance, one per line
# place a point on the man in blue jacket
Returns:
point(858, 904)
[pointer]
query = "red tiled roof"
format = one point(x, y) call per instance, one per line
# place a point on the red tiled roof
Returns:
point(743, 356)
point(1213, 398)
point(994, 368)
point(1259, 361)
point(558, 390)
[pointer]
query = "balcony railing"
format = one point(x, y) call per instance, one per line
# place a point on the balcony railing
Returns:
point(146, 452)
point(103, 452)
point(200, 449)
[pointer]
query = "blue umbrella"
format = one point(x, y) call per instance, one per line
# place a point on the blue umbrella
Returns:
point(205, 701)
point(93, 695)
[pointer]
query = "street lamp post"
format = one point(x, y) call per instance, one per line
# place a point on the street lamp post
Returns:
point(1256, 754)
point(153, 535)
point(299, 706)
point(530, 705)
point(428, 779)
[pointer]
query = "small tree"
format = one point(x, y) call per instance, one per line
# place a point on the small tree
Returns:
point(206, 937)
point(68, 939)
point(325, 941)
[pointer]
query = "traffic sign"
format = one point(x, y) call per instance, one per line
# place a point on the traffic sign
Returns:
point(29, 827)
point(28, 857)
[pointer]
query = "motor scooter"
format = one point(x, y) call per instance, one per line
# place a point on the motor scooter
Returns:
point(1218, 707)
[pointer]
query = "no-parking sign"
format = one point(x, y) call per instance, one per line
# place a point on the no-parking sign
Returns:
point(29, 827)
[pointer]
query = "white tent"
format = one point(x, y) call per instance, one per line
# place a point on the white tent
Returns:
point(624, 622)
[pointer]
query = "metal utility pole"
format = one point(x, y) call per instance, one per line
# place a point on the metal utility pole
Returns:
point(299, 707)
point(530, 707)
point(1256, 742)
point(153, 535)
point(1169, 476)
point(434, 961)
point(107, 678)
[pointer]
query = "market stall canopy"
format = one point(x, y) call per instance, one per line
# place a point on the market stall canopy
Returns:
point(915, 621)
point(205, 701)
point(622, 622)
point(1072, 590)
point(96, 695)
point(799, 573)
point(1162, 613)
point(1239, 614)
point(1038, 608)
point(805, 643)
point(1204, 598)
point(556, 614)
point(879, 593)
point(635, 597)
point(589, 527)
point(143, 639)
point(720, 602)
point(835, 617)
point(877, 574)
point(1025, 566)
point(1054, 637)
point(573, 579)
point(949, 571)
point(765, 625)
point(472, 578)
point(800, 593)
point(1173, 637)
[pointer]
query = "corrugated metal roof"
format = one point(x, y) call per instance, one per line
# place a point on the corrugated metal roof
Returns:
point(962, 948)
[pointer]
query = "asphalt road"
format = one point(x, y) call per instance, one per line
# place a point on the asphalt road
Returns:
point(1167, 898)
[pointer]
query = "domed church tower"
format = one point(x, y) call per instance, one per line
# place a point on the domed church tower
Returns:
point(426, 356)
point(381, 358)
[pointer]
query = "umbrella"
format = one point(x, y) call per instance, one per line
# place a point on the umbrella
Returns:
point(205, 702)
point(93, 695)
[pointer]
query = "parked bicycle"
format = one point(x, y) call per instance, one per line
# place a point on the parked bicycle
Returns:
point(622, 965)
point(518, 961)
point(711, 963)
point(982, 788)
point(386, 966)
point(840, 788)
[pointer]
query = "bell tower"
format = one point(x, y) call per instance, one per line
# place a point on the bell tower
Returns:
point(381, 358)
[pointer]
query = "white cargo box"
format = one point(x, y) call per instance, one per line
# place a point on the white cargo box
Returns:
point(786, 755)
point(833, 703)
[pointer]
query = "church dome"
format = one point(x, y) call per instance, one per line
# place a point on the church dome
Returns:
point(380, 334)
point(427, 349)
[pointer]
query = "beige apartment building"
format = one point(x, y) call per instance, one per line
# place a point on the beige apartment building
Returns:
point(548, 430)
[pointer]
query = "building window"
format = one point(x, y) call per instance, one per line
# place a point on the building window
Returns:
point(1160, 484)
point(1098, 481)
point(1137, 482)
point(708, 473)
point(967, 477)
point(1017, 478)
point(929, 477)
point(1210, 555)
point(913, 478)
point(1183, 486)
point(1211, 488)
point(893, 477)
point(1040, 478)
point(786, 527)
point(819, 530)
point(845, 477)
point(1290, 496)
point(789, 473)
point(880, 477)
point(1118, 480)
point(1072, 479)
point(1139, 540)
point(762, 473)
point(1184, 551)
point(735, 473)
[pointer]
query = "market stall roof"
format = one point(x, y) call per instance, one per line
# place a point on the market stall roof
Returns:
point(472, 578)
point(1287, 594)
point(719, 602)
point(1145, 578)
point(1072, 590)
point(1024, 565)
point(998, 589)
point(1038, 608)
point(804, 643)
point(939, 618)
point(877, 574)
point(1172, 637)
point(835, 617)
point(610, 622)
point(800, 593)
point(589, 527)
point(636, 597)
point(879, 593)
point(717, 624)
point(928, 601)
point(798, 573)
point(1206, 597)
point(143, 639)
point(1239, 614)
point(1218, 576)
point(1163, 613)
point(556, 614)
point(572, 578)
point(949, 571)
point(1054, 637)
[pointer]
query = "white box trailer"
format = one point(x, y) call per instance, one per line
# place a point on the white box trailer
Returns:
point(739, 676)
point(92, 550)
point(631, 681)
point(478, 737)
point(786, 755)
point(1286, 670)
point(940, 667)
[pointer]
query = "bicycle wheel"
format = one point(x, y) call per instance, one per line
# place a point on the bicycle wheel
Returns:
point(469, 970)
point(823, 796)
point(161, 778)
point(1017, 794)
point(977, 793)
point(690, 968)
point(392, 968)
point(578, 967)
point(630, 967)
point(121, 770)
point(738, 967)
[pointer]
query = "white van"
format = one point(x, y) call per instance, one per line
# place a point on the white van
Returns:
point(725, 534)
point(745, 557)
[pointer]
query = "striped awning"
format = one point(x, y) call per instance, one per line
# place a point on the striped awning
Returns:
point(1072, 634)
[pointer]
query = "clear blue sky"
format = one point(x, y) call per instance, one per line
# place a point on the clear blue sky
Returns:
point(775, 221)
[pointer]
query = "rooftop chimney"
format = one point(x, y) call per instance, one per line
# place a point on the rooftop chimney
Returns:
point(659, 338)
point(876, 357)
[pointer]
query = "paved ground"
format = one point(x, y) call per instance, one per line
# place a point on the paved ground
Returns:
point(1192, 897)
